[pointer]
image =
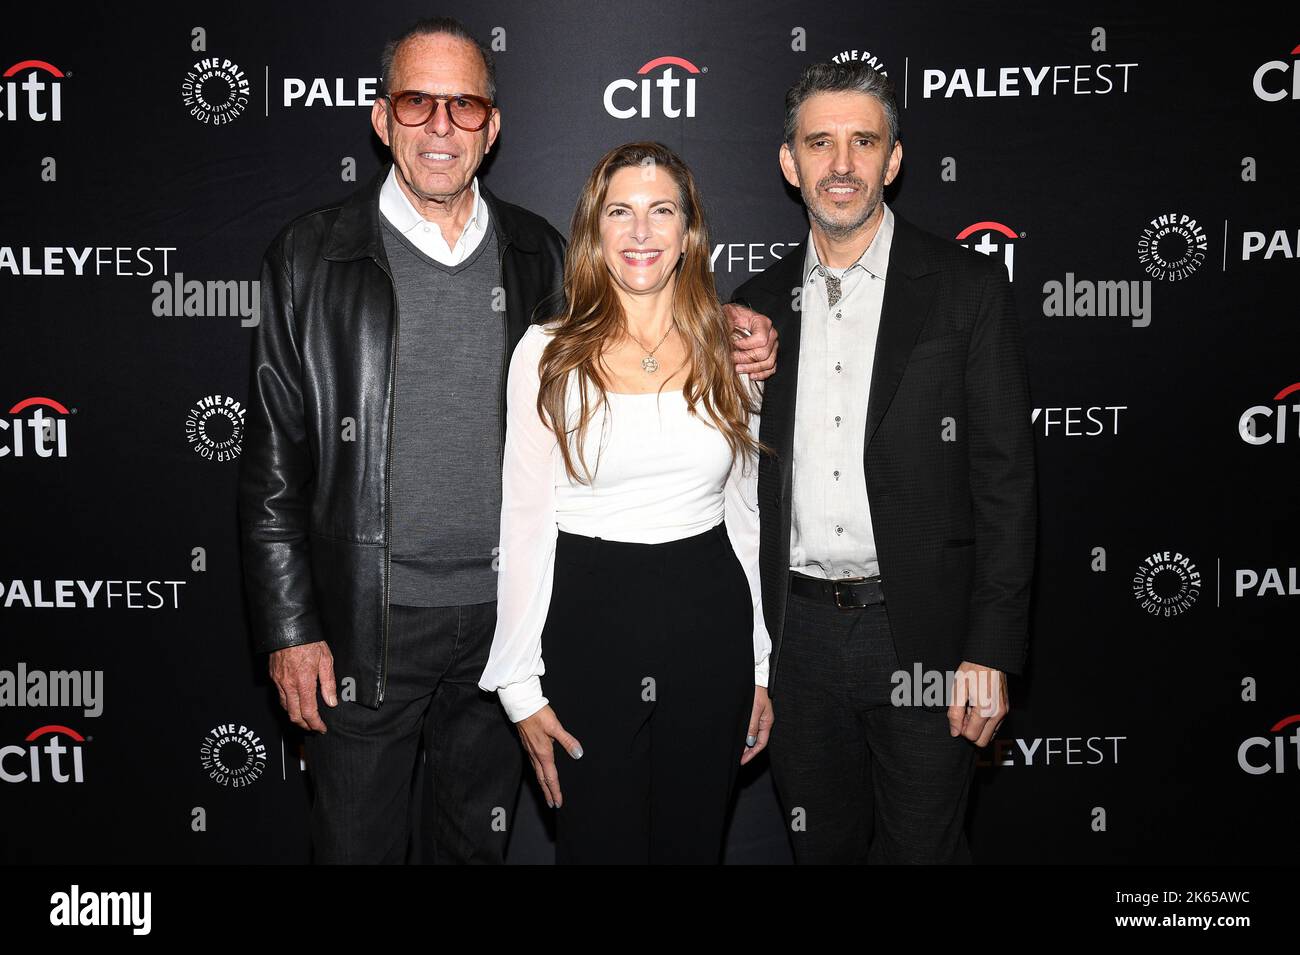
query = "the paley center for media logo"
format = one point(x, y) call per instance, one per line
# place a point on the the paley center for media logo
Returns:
point(233, 755)
point(1172, 246)
point(216, 90)
point(1166, 583)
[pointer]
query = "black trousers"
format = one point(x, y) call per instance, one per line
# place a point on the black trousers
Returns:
point(362, 769)
point(650, 665)
point(861, 780)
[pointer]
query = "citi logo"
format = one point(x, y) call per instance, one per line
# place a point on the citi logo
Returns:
point(34, 431)
point(993, 236)
point(1254, 427)
point(668, 83)
point(1257, 763)
point(44, 97)
point(1270, 86)
point(36, 760)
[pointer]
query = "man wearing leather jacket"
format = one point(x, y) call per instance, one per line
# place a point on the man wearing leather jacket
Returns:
point(370, 480)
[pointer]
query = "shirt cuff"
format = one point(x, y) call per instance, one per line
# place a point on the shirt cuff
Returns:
point(760, 671)
point(521, 700)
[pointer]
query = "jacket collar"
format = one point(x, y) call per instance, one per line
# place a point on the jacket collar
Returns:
point(355, 232)
point(908, 255)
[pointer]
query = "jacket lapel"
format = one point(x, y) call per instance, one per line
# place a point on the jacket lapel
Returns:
point(909, 293)
point(775, 298)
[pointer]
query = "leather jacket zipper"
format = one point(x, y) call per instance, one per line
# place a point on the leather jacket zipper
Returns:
point(388, 468)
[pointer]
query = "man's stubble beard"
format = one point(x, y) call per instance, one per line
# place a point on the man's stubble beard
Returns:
point(836, 230)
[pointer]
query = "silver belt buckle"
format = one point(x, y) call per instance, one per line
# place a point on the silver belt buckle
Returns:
point(847, 580)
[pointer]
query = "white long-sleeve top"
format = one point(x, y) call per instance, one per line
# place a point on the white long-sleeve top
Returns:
point(663, 475)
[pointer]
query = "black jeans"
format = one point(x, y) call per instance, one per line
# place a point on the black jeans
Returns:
point(861, 780)
point(362, 768)
point(649, 660)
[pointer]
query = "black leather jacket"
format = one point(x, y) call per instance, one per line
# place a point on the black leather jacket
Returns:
point(317, 451)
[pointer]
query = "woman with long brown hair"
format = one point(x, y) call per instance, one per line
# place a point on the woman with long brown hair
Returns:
point(629, 532)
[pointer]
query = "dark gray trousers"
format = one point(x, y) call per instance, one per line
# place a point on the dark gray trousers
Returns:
point(363, 770)
point(859, 779)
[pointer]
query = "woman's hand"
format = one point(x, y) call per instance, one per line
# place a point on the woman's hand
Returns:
point(539, 733)
point(761, 719)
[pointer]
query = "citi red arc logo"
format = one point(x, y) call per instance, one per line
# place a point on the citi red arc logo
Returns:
point(44, 95)
point(988, 243)
point(668, 83)
point(1272, 88)
point(48, 435)
point(1285, 749)
point(1254, 427)
point(33, 762)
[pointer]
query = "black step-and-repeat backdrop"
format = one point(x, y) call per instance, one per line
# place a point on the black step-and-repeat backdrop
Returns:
point(1134, 173)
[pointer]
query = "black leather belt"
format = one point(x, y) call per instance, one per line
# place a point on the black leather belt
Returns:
point(844, 592)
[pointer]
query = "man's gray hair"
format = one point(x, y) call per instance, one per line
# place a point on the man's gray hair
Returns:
point(436, 26)
point(850, 77)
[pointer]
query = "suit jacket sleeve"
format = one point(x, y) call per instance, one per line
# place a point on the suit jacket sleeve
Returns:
point(1002, 482)
point(276, 473)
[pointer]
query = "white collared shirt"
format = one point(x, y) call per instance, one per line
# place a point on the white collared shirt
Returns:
point(831, 533)
point(426, 235)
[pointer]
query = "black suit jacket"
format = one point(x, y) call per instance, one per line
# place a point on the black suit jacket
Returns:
point(954, 520)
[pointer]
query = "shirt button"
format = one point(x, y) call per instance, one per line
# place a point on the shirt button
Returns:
point(846, 573)
point(837, 314)
point(426, 228)
point(838, 529)
point(837, 475)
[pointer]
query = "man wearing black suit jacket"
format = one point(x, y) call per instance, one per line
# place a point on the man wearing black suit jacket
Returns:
point(899, 515)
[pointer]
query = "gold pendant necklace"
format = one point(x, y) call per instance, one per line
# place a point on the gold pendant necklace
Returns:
point(649, 363)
